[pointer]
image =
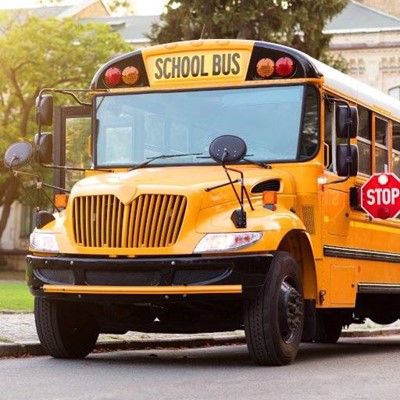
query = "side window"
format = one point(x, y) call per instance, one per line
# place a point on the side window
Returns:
point(381, 145)
point(77, 134)
point(328, 122)
point(330, 139)
point(396, 148)
point(310, 135)
point(364, 141)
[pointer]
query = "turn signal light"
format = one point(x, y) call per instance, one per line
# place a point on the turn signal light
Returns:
point(61, 200)
point(270, 198)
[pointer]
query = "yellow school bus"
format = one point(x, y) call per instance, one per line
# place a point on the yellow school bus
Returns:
point(220, 191)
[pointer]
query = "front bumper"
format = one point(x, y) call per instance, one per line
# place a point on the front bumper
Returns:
point(146, 279)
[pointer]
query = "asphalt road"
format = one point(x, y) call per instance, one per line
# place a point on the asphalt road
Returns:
point(359, 368)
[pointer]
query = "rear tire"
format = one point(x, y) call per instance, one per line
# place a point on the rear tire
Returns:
point(273, 321)
point(65, 329)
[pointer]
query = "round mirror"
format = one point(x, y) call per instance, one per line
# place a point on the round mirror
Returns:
point(18, 154)
point(227, 148)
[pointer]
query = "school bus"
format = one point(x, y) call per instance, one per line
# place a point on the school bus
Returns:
point(219, 191)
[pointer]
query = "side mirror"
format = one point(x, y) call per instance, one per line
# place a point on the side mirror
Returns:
point(227, 148)
point(44, 110)
point(44, 148)
point(18, 155)
point(346, 119)
point(347, 164)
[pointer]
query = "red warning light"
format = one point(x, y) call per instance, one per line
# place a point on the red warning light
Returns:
point(113, 76)
point(284, 67)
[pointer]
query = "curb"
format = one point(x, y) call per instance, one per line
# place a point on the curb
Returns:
point(35, 349)
point(13, 350)
point(371, 332)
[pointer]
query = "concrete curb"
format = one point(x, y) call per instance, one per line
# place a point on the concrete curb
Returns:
point(12, 350)
point(371, 332)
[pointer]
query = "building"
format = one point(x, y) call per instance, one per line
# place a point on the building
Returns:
point(369, 40)
point(85, 9)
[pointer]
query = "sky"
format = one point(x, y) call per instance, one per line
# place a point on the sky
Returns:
point(141, 7)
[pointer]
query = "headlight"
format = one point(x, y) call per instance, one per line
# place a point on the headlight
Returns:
point(45, 242)
point(215, 242)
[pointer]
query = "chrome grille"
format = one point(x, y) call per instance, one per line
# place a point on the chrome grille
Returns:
point(151, 220)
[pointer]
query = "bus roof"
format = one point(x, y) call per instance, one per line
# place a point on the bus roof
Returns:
point(359, 92)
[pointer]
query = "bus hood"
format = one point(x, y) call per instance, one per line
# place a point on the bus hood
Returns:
point(204, 182)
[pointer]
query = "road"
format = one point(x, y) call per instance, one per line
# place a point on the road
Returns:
point(352, 369)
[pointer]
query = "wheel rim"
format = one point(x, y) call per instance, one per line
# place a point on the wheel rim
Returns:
point(290, 310)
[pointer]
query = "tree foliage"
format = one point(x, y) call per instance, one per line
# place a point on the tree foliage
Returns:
point(297, 23)
point(43, 53)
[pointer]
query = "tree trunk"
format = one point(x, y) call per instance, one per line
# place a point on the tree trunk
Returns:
point(9, 195)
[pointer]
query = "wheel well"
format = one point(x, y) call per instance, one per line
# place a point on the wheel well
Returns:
point(297, 243)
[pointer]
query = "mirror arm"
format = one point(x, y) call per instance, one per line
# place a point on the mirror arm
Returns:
point(222, 185)
point(243, 190)
point(346, 178)
point(41, 185)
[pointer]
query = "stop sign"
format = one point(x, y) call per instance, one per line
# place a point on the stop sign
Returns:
point(380, 196)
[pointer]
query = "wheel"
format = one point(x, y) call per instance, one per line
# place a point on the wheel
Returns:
point(65, 329)
point(273, 321)
point(329, 327)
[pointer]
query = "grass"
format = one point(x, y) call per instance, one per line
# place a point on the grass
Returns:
point(15, 296)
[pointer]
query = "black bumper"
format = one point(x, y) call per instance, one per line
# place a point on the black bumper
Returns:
point(249, 271)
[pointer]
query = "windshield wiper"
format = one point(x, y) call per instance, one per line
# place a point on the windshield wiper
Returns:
point(260, 164)
point(162, 156)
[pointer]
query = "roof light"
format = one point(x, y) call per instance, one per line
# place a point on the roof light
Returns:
point(265, 67)
point(284, 67)
point(130, 75)
point(113, 76)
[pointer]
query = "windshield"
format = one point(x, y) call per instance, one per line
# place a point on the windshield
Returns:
point(277, 124)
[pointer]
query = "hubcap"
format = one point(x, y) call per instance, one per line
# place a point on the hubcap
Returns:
point(290, 310)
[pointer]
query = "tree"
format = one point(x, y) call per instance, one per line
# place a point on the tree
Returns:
point(43, 53)
point(297, 23)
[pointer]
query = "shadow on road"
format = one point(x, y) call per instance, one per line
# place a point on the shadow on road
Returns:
point(237, 355)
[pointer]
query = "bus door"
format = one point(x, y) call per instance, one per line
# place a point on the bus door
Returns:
point(71, 144)
point(339, 273)
point(335, 200)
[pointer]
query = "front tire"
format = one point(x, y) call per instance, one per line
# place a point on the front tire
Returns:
point(274, 320)
point(65, 329)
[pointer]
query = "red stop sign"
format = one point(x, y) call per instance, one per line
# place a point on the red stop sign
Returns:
point(380, 196)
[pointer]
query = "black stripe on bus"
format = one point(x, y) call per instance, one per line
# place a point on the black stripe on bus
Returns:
point(361, 254)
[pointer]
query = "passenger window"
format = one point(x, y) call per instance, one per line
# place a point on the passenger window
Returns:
point(396, 148)
point(310, 135)
point(364, 141)
point(328, 153)
point(381, 145)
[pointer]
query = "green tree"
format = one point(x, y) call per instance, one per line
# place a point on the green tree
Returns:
point(43, 53)
point(297, 23)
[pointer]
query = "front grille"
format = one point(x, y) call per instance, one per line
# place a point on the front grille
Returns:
point(151, 220)
point(121, 278)
point(200, 277)
point(55, 276)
